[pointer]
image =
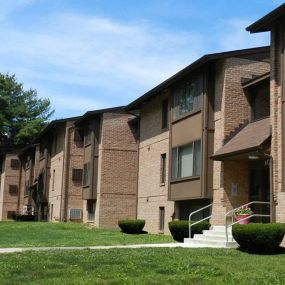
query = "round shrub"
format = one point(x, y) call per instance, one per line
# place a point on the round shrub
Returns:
point(131, 226)
point(257, 237)
point(180, 229)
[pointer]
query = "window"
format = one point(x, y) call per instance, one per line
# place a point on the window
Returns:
point(13, 189)
point(53, 180)
point(188, 98)
point(86, 171)
point(15, 164)
point(161, 218)
point(186, 160)
point(162, 168)
point(51, 212)
point(78, 136)
point(28, 163)
point(77, 174)
point(27, 186)
point(87, 137)
point(42, 152)
point(164, 114)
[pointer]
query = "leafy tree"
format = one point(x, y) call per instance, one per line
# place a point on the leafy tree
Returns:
point(22, 114)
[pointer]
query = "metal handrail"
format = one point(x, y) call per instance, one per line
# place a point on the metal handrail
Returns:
point(248, 217)
point(197, 222)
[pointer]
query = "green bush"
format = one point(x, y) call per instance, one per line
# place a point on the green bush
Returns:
point(180, 229)
point(257, 237)
point(24, 218)
point(131, 226)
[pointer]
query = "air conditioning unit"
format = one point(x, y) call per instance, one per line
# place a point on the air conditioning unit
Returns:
point(75, 214)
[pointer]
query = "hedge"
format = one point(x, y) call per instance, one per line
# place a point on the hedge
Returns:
point(131, 226)
point(180, 229)
point(25, 218)
point(258, 237)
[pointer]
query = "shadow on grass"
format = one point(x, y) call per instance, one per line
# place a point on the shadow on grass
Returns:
point(139, 233)
point(279, 251)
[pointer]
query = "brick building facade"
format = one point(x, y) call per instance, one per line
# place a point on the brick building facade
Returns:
point(110, 166)
point(9, 185)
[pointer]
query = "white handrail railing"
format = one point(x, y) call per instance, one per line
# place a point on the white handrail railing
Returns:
point(197, 222)
point(231, 212)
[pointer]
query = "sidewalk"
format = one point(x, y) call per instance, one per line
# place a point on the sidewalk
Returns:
point(23, 249)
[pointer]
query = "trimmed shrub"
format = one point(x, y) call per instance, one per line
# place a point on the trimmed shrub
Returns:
point(180, 229)
point(25, 218)
point(257, 237)
point(131, 226)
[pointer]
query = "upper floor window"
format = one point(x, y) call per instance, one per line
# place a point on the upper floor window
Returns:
point(186, 160)
point(77, 174)
point(86, 174)
point(42, 151)
point(15, 164)
point(78, 136)
point(164, 114)
point(13, 189)
point(188, 98)
point(27, 187)
point(87, 137)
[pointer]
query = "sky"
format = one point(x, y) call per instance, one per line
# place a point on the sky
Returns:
point(92, 54)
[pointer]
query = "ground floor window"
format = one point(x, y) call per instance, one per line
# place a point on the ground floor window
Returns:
point(161, 218)
point(51, 212)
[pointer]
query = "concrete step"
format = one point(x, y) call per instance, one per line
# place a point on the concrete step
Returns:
point(215, 233)
point(209, 243)
point(210, 238)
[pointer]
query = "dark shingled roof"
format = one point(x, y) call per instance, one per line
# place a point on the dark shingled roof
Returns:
point(89, 114)
point(51, 125)
point(265, 23)
point(250, 138)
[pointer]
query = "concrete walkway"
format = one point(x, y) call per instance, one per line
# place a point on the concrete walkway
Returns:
point(155, 245)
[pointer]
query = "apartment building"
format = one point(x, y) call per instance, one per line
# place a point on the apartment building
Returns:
point(183, 122)
point(9, 184)
point(274, 22)
point(109, 186)
point(51, 176)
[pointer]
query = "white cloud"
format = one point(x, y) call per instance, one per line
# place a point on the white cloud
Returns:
point(122, 59)
point(234, 35)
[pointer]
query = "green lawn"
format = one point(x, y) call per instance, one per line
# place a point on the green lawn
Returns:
point(27, 234)
point(142, 266)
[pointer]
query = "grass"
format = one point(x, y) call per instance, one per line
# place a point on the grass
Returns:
point(28, 234)
point(142, 266)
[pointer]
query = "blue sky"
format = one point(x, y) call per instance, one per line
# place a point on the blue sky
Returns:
point(92, 54)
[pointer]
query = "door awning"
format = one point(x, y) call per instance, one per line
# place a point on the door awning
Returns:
point(251, 138)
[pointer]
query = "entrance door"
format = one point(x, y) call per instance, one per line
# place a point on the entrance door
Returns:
point(260, 188)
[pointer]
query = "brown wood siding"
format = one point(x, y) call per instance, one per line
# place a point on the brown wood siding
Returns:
point(187, 130)
point(186, 189)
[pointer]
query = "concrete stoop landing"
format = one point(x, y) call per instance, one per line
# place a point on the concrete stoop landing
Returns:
point(215, 237)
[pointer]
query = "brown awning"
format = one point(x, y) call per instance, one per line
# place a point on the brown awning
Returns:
point(250, 138)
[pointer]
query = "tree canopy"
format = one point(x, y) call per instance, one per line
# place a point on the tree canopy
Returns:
point(22, 114)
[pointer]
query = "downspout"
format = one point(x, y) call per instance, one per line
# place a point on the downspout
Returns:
point(204, 146)
point(282, 82)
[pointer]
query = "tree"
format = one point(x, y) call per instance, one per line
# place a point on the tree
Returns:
point(22, 114)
